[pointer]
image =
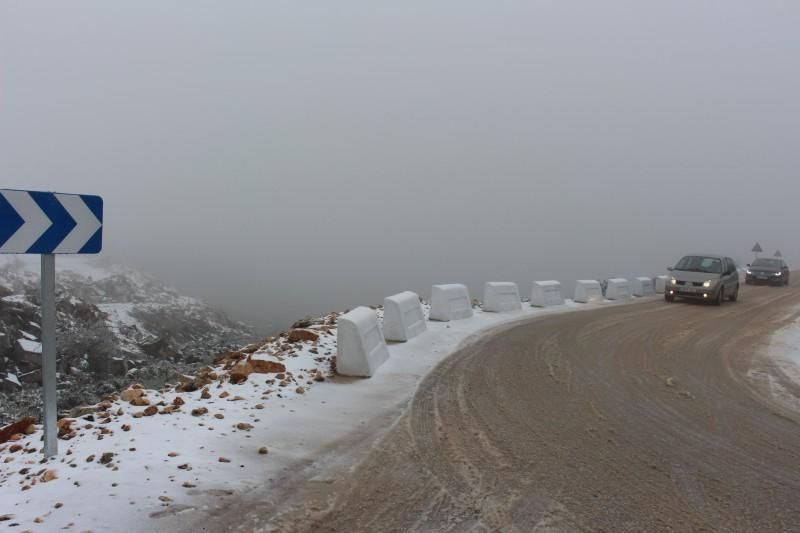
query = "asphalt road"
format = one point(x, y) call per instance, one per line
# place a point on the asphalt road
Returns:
point(645, 417)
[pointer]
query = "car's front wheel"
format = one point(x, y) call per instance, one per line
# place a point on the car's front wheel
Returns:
point(720, 296)
point(669, 297)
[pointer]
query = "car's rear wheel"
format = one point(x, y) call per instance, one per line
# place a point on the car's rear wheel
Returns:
point(735, 296)
point(720, 296)
point(669, 297)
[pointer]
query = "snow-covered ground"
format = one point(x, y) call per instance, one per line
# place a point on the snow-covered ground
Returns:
point(125, 470)
point(784, 351)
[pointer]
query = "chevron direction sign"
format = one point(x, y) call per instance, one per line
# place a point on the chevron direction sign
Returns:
point(50, 223)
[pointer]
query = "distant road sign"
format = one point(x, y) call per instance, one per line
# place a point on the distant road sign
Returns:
point(34, 222)
point(757, 248)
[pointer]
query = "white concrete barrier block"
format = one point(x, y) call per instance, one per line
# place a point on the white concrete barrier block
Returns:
point(450, 302)
point(402, 317)
point(361, 348)
point(618, 289)
point(661, 284)
point(546, 293)
point(643, 287)
point(501, 296)
point(588, 290)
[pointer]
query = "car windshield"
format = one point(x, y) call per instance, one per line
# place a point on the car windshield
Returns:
point(699, 263)
point(771, 263)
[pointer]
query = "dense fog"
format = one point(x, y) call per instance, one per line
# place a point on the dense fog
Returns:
point(280, 159)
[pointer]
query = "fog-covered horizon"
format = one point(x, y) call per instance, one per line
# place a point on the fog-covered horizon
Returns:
point(280, 159)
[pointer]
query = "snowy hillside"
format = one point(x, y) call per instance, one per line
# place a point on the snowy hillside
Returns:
point(114, 325)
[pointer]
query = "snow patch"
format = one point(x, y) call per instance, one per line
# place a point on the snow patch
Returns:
point(30, 346)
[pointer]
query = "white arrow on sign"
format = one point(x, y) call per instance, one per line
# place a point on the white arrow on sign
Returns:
point(86, 223)
point(36, 222)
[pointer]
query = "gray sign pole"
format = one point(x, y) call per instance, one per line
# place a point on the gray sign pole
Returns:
point(49, 354)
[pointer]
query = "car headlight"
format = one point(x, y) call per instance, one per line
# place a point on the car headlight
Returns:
point(709, 283)
point(673, 281)
point(777, 273)
point(748, 271)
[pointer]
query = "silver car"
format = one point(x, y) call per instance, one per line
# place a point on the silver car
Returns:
point(711, 278)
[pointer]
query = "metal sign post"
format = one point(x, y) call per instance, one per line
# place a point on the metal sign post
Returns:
point(49, 354)
point(49, 223)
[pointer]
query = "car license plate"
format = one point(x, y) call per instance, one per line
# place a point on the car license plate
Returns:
point(689, 289)
point(762, 276)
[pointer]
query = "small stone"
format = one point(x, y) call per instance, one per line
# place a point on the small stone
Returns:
point(185, 466)
point(173, 454)
point(150, 411)
point(300, 390)
point(199, 411)
point(224, 460)
point(188, 485)
point(219, 416)
point(165, 499)
point(126, 427)
point(244, 426)
point(224, 394)
point(263, 450)
point(90, 459)
point(49, 475)
point(58, 505)
point(178, 401)
point(106, 458)
point(259, 406)
point(205, 394)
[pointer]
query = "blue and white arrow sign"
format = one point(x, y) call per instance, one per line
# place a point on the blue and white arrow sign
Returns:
point(50, 223)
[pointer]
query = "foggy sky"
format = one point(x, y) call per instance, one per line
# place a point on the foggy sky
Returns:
point(282, 158)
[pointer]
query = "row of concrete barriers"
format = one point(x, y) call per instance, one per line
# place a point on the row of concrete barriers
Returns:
point(362, 345)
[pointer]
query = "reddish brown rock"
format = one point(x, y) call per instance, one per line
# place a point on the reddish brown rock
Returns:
point(17, 427)
point(260, 366)
point(141, 401)
point(49, 475)
point(240, 372)
point(301, 335)
point(65, 427)
point(178, 401)
point(151, 410)
point(128, 395)
point(199, 411)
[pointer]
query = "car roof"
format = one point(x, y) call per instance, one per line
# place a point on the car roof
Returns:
point(713, 256)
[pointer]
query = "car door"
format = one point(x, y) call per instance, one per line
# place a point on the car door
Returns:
point(731, 276)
